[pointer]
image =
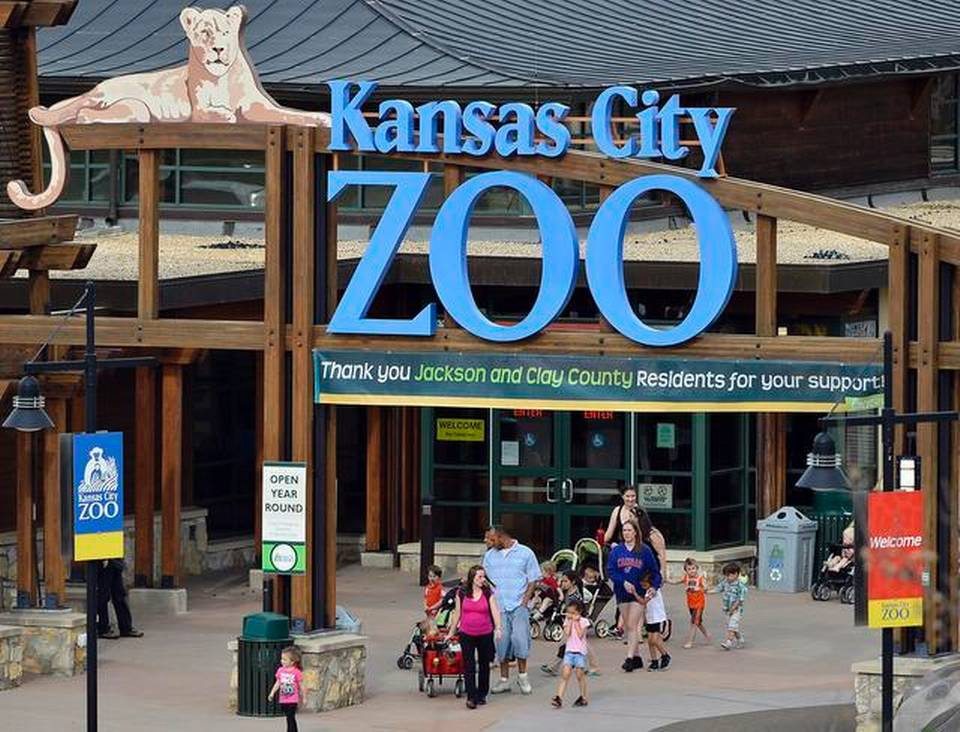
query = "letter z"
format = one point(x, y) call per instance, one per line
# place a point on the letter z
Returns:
point(351, 314)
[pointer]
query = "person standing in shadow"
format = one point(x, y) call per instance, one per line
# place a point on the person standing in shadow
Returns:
point(110, 588)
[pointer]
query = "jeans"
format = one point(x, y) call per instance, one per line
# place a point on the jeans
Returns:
point(290, 712)
point(515, 641)
point(478, 653)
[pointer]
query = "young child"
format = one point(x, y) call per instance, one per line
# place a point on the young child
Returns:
point(575, 657)
point(654, 621)
point(733, 593)
point(547, 591)
point(569, 592)
point(433, 592)
point(590, 578)
point(289, 676)
point(696, 587)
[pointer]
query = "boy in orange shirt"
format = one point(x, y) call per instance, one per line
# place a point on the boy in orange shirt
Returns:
point(696, 587)
point(433, 592)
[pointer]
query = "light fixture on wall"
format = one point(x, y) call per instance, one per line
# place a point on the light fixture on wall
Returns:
point(823, 471)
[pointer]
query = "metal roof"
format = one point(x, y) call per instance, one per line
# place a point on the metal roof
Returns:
point(299, 44)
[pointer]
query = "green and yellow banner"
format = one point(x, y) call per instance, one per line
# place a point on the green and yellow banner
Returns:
point(619, 383)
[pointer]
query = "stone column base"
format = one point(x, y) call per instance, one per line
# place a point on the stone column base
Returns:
point(54, 641)
point(334, 670)
point(379, 560)
point(907, 671)
point(11, 656)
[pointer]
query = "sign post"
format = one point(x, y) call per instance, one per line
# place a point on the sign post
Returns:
point(284, 518)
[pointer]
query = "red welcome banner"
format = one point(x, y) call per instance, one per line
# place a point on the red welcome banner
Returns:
point(894, 559)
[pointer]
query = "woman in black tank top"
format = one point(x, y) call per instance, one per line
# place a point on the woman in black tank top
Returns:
point(624, 512)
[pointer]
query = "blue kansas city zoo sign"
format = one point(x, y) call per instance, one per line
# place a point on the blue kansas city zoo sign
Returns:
point(516, 129)
point(97, 496)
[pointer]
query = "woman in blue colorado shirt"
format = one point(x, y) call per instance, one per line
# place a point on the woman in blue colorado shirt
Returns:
point(627, 563)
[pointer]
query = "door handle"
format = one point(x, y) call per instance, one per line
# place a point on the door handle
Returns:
point(550, 486)
point(566, 490)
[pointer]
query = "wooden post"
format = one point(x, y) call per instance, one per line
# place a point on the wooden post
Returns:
point(145, 471)
point(374, 535)
point(148, 281)
point(953, 613)
point(898, 307)
point(330, 427)
point(258, 446)
point(26, 539)
point(771, 427)
point(54, 574)
point(38, 285)
point(171, 473)
point(452, 177)
point(274, 317)
point(928, 300)
point(304, 271)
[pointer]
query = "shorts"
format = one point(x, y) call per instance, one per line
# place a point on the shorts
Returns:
point(696, 615)
point(575, 660)
point(656, 627)
point(733, 621)
point(515, 637)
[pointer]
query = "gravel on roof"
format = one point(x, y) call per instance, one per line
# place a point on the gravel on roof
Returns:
point(192, 255)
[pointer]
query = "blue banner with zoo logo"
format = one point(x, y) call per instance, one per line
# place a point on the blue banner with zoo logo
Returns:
point(98, 496)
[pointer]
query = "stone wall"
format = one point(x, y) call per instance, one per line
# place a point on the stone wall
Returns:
point(11, 656)
point(54, 641)
point(334, 670)
point(907, 672)
point(193, 546)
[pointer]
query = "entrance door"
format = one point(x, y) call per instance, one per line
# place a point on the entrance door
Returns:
point(556, 475)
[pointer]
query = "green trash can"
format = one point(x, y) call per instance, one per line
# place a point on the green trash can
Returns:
point(264, 637)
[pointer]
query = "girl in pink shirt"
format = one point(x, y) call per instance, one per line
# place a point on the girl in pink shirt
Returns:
point(575, 656)
point(289, 676)
point(477, 618)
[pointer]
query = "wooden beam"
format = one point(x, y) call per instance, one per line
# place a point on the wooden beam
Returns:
point(898, 308)
point(452, 178)
point(35, 232)
point(9, 262)
point(68, 256)
point(171, 468)
point(26, 538)
point(148, 280)
point(928, 321)
point(273, 340)
point(163, 136)
point(54, 571)
point(38, 285)
point(766, 286)
point(330, 497)
point(304, 294)
point(145, 472)
point(258, 447)
point(374, 481)
point(32, 93)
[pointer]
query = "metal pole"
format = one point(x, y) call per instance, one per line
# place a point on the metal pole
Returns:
point(426, 537)
point(887, 431)
point(90, 409)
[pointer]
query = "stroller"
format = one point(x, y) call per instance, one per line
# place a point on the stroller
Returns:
point(597, 597)
point(414, 647)
point(441, 659)
point(550, 625)
point(836, 575)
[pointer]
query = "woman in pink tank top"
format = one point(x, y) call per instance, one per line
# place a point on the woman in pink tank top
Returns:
point(477, 619)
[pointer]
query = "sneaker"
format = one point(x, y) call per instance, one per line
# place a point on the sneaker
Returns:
point(110, 634)
point(557, 702)
point(548, 669)
point(481, 701)
point(654, 665)
point(664, 662)
point(726, 645)
point(132, 633)
point(523, 681)
point(637, 662)
point(627, 665)
point(580, 702)
point(471, 704)
point(503, 685)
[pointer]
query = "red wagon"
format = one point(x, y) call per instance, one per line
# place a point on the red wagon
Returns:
point(442, 659)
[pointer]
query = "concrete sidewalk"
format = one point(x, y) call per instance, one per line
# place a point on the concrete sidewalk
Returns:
point(799, 655)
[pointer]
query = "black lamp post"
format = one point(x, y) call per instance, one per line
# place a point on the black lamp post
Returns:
point(887, 420)
point(823, 471)
point(28, 415)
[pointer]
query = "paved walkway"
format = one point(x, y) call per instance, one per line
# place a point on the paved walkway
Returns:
point(799, 655)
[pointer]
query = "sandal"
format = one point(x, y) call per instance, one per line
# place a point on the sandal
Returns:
point(688, 645)
point(557, 702)
point(580, 702)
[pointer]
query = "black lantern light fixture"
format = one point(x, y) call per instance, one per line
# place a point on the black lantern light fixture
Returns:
point(28, 414)
point(823, 471)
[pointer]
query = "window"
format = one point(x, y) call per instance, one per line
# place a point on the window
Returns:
point(459, 470)
point(944, 153)
point(663, 454)
point(729, 479)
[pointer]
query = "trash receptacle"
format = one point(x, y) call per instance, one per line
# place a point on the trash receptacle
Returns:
point(264, 636)
point(786, 550)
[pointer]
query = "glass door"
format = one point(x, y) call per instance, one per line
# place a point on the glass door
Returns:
point(556, 475)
